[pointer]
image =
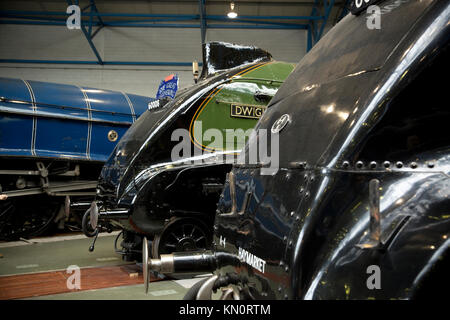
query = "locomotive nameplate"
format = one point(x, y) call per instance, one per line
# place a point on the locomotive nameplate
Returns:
point(247, 111)
point(252, 260)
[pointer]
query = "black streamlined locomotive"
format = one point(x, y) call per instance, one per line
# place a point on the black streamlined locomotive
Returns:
point(146, 191)
point(359, 207)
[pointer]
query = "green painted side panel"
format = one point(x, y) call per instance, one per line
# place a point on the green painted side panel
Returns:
point(277, 71)
point(215, 128)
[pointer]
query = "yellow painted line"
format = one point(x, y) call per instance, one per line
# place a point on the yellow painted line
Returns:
point(107, 259)
point(160, 293)
point(53, 239)
point(187, 283)
point(25, 266)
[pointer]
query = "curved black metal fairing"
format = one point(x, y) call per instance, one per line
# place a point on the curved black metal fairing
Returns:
point(363, 105)
point(145, 149)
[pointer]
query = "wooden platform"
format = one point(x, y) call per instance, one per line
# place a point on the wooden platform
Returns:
point(46, 283)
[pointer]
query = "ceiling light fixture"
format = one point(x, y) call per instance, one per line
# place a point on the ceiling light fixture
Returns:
point(232, 14)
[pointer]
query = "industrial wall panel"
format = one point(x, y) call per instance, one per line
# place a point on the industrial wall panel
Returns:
point(45, 43)
point(152, 44)
point(128, 44)
point(142, 81)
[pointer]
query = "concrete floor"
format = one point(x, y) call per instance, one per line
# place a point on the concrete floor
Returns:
point(23, 257)
point(162, 290)
point(57, 253)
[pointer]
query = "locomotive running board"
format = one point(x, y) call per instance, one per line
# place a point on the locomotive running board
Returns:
point(56, 190)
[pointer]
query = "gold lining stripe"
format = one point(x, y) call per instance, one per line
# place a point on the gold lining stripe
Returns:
point(208, 99)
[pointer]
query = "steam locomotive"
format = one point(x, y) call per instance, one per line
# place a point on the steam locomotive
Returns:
point(165, 176)
point(359, 208)
point(54, 140)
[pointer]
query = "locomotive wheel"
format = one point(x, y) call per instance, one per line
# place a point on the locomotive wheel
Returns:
point(25, 218)
point(86, 225)
point(182, 234)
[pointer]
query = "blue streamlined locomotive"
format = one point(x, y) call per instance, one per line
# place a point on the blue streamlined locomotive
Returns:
point(54, 139)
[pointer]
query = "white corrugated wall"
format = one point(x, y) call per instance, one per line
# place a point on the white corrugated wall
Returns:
point(128, 44)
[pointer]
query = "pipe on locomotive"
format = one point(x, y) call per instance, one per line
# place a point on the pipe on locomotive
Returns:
point(184, 262)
